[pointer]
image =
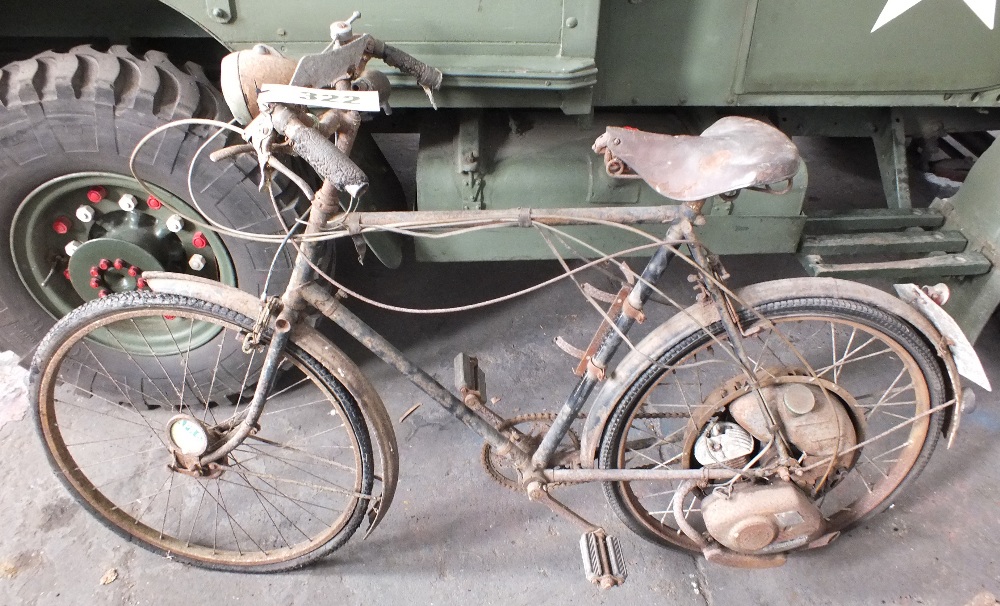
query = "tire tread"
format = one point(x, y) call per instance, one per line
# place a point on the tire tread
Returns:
point(100, 308)
point(643, 378)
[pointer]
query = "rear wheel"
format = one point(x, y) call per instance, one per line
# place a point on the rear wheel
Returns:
point(293, 491)
point(861, 383)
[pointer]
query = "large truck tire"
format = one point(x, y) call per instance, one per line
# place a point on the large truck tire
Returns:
point(68, 125)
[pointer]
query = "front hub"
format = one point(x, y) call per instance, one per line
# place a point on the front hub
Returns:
point(188, 439)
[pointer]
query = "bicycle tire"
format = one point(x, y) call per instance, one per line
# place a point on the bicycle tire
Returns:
point(912, 351)
point(293, 492)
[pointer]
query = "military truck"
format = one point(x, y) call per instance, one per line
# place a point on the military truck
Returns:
point(527, 87)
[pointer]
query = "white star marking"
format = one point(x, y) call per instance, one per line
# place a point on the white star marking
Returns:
point(986, 10)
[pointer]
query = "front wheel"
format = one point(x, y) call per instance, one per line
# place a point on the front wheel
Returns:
point(852, 386)
point(296, 489)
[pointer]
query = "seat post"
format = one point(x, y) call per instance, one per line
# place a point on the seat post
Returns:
point(614, 335)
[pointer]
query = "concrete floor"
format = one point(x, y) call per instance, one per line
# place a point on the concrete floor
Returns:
point(455, 537)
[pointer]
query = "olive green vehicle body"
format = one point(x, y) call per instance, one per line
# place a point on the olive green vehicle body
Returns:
point(529, 84)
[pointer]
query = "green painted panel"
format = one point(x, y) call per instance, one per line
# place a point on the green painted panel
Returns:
point(937, 45)
point(973, 211)
point(655, 53)
point(669, 52)
point(726, 235)
point(435, 22)
point(544, 160)
point(511, 44)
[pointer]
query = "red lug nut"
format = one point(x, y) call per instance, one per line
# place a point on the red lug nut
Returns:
point(96, 194)
point(95, 283)
point(61, 225)
point(166, 317)
point(140, 283)
point(119, 264)
point(133, 271)
point(199, 240)
point(94, 272)
point(104, 264)
point(153, 203)
point(104, 292)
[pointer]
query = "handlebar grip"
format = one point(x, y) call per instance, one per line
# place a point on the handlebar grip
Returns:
point(321, 154)
point(427, 76)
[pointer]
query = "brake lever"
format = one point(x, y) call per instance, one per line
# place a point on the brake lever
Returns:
point(260, 133)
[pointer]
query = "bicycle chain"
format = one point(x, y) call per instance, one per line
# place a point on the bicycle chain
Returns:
point(487, 459)
point(663, 415)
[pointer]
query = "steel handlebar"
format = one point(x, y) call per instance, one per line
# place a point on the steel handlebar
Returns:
point(321, 153)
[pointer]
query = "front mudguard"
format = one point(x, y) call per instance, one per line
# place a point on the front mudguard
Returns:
point(706, 314)
point(322, 350)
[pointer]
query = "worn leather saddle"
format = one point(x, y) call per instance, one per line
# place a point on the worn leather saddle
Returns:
point(732, 154)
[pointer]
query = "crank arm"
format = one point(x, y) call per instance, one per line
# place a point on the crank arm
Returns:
point(536, 492)
point(603, 562)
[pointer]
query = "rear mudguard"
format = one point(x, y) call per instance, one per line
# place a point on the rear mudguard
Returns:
point(324, 351)
point(705, 314)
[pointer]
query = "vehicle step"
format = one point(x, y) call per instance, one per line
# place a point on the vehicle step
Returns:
point(961, 264)
point(884, 242)
point(875, 219)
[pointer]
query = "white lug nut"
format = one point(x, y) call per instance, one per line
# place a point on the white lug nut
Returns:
point(196, 262)
point(72, 247)
point(85, 214)
point(127, 202)
point(175, 223)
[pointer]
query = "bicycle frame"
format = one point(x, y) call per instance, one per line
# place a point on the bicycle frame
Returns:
point(340, 175)
point(301, 294)
point(535, 466)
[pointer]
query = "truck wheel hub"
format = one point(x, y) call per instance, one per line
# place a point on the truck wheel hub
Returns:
point(70, 231)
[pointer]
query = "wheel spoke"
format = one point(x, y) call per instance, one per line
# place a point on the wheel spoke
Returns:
point(303, 480)
point(859, 361)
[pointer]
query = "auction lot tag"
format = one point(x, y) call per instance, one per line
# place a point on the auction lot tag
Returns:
point(364, 101)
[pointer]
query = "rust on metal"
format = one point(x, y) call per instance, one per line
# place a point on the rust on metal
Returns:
point(243, 71)
point(568, 348)
point(319, 347)
point(505, 473)
point(595, 371)
point(585, 362)
point(520, 216)
point(752, 518)
point(604, 297)
point(573, 476)
point(633, 312)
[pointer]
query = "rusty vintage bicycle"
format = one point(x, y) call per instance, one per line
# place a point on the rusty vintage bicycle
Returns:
point(748, 426)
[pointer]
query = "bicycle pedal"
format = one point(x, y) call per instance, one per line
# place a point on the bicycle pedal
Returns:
point(603, 562)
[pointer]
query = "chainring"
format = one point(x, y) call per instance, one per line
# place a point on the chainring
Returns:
point(500, 469)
